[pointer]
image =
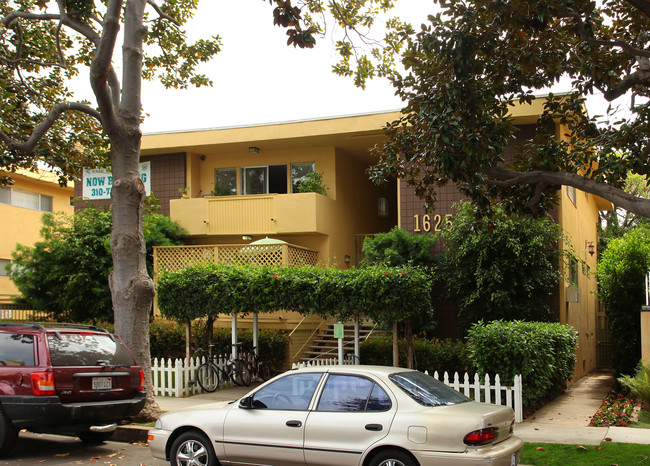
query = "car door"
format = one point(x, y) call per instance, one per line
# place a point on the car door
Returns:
point(353, 413)
point(268, 427)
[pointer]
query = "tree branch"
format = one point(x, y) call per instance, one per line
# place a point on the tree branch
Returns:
point(503, 177)
point(39, 131)
point(162, 14)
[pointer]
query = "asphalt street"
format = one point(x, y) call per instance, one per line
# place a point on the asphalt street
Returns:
point(60, 450)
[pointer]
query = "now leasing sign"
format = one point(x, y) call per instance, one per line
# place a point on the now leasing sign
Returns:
point(98, 182)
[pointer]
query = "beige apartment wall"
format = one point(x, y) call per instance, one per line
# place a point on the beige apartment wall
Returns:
point(22, 226)
point(579, 223)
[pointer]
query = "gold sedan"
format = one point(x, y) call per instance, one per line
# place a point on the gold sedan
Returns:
point(341, 415)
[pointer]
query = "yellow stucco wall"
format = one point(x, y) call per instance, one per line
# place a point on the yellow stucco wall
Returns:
point(22, 225)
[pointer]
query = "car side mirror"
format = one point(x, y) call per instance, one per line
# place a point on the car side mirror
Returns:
point(246, 402)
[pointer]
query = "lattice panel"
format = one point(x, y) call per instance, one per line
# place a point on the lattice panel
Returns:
point(301, 256)
point(174, 258)
point(178, 257)
point(252, 254)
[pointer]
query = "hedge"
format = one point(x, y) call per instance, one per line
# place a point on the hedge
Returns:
point(444, 355)
point(543, 353)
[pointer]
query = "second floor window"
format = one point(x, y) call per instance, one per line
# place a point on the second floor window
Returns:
point(264, 180)
point(225, 182)
point(299, 172)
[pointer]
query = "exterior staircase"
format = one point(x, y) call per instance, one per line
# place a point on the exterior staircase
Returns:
point(325, 345)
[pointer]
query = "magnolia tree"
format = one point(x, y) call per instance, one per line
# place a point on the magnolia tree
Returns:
point(45, 43)
point(468, 66)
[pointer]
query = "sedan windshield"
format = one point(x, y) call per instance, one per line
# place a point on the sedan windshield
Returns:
point(426, 390)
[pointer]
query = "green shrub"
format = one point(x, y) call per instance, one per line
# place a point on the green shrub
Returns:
point(431, 355)
point(639, 385)
point(543, 353)
point(621, 272)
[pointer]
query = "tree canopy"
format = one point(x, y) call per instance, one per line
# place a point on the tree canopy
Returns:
point(500, 267)
point(468, 66)
point(66, 273)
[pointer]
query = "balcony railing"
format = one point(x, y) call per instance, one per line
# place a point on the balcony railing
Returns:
point(263, 214)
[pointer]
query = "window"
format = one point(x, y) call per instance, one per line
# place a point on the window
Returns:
point(254, 180)
point(299, 172)
point(426, 390)
point(225, 182)
point(3, 267)
point(263, 180)
point(73, 349)
point(26, 199)
point(571, 192)
point(573, 272)
point(293, 392)
point(353, 394)
point(16, 349)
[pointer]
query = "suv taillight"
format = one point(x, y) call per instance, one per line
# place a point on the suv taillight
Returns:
point(43, 383)
point(481, 437)
point(141, 387)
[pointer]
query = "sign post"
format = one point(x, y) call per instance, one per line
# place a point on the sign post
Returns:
point(339, 333)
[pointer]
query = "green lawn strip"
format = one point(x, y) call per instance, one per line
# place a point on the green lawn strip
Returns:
point(607, 453)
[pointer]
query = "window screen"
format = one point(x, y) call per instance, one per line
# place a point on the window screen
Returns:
point(225, 182)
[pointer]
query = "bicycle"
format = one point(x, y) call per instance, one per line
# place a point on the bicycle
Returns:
point(256, 366)
point(210, 373)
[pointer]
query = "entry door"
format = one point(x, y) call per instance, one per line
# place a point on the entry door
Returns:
point(352, 414)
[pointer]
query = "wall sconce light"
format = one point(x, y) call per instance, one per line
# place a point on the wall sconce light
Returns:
point(254, 150)
point(347, 258)
point(382, 207)
point(246, 238)
point(591, 248)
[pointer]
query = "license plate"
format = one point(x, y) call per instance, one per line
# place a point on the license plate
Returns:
point(102, 383)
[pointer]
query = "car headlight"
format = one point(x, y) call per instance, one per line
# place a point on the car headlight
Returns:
point(158, 424)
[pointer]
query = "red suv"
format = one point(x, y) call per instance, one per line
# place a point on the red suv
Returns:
point(65, 378)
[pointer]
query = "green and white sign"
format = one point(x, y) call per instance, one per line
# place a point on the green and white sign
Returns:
point(98, 182)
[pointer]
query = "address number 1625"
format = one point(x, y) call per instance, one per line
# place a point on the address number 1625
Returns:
point(432, 223)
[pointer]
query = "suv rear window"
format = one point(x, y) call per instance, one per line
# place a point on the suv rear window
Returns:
point(16, 349)
point(74, 349)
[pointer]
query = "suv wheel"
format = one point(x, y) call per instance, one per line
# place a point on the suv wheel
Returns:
point(93, 437)
point(8, 434)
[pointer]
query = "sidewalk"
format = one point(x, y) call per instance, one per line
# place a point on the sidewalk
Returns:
point(564, 420)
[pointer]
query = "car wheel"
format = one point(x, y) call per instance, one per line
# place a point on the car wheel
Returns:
point(393, 458)
point(192, 449)
point(92, 438)
point(8, 434)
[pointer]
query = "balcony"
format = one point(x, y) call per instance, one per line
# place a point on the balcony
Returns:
point(263, 214)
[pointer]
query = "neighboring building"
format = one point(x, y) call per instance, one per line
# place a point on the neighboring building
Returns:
point(22, 205)
point(254, 171)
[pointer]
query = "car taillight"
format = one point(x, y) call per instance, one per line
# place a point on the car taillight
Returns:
point(141, 387)
point(43, 383)
point(481, 437)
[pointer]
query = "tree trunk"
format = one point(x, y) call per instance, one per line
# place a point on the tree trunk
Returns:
point(395, 345)
point(410, 350)
point(132, 289)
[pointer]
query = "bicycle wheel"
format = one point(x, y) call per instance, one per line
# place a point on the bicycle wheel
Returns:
point(208, 377)
point(240, 373)
point(264, 371)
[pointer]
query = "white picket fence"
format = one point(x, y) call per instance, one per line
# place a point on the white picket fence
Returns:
point(176, 378)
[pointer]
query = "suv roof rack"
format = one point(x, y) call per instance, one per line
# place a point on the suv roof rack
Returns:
point(42, 325)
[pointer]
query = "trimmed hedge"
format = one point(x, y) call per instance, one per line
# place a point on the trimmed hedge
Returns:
point(431, 355)
point(543, 353)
